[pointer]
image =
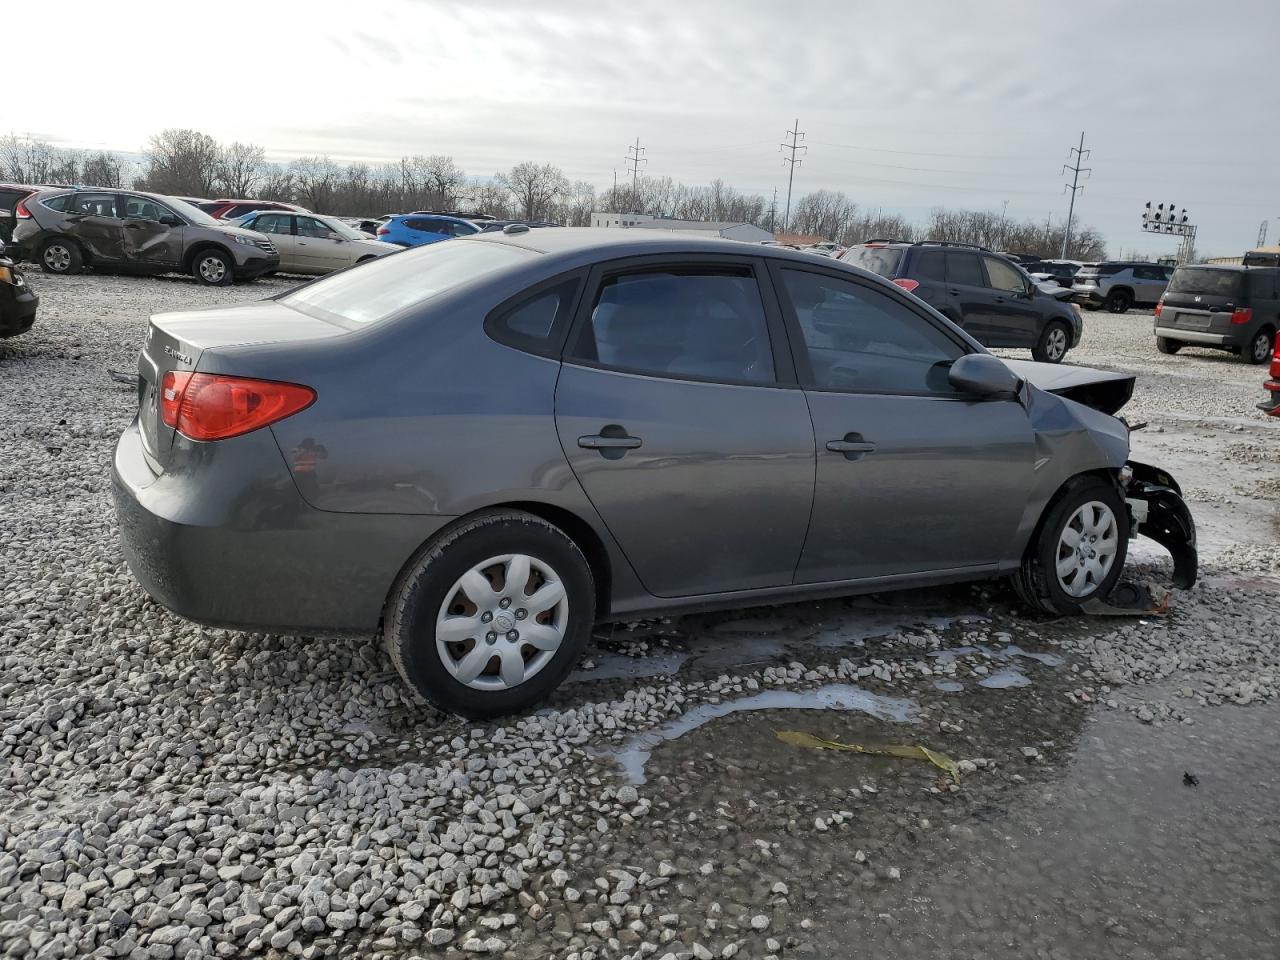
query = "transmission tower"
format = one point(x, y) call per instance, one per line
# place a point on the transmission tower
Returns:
point(634, 159)
point(794, 136)
point(1081, 154)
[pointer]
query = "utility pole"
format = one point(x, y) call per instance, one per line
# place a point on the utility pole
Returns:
point(1075, 186)
point(794, 136)
point(634, 158)
point(773, 210)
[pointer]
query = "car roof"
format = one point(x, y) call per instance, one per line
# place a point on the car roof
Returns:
point(592, 244)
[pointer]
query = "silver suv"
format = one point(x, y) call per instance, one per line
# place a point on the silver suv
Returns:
point(1118, 285)
point(67, 230)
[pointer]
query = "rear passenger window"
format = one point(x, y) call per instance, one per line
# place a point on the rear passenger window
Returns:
point(964, 268)
point(537, 323)
point(94, 204)
point(929, 265)
point(689, 323)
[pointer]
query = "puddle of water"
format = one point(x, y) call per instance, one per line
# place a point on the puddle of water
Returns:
point(635, 753)
point(614, 666)
point(867, 625)
point(1004, 653)
point(1003, 679)
point(949, 686)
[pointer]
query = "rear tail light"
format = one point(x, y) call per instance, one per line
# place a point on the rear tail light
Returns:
point(21, 212)
point(383, 231)
point(1159, 307)
point(907, 284)
point(208, 406)
point(1242, 314)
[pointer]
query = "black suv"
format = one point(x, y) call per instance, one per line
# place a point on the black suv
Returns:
point(1225, 306)
point(989, 295)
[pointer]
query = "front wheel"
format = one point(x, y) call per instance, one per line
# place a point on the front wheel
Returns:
point(1258, 350)
point(1053, 345)
point(213, 268)
point(1165, 345)
point(492, 616)
point(1118, 301)
point(1078, 550)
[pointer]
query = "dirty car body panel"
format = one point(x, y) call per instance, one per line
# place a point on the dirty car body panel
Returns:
point(487, 373)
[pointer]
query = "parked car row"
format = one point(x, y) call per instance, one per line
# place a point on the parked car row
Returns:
point(990, 296)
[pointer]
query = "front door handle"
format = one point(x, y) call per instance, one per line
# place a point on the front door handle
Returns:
point(612, 441)
point(853, 446)
point(598, 442)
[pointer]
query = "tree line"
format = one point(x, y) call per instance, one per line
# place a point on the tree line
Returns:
point(184, 162)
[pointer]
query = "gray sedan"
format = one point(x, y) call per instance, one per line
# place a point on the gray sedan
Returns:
point(483, 447)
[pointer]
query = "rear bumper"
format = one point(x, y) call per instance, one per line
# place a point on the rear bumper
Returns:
point(17, 309)
point(1200, 336)
point(228, 541)
point(1087, 295)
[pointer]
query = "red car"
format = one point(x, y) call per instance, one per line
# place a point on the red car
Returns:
point(1271, 405)
point(231, 209)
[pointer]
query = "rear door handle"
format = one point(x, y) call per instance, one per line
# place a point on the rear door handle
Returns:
point(599, 442)
point(853, 446)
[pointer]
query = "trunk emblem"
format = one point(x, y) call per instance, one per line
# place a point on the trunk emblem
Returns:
point(169, 351)
point(1198, 299)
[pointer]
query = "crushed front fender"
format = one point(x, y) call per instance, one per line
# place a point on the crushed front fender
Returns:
point(1159, 512)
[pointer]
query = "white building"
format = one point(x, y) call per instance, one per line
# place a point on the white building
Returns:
point(747, 232)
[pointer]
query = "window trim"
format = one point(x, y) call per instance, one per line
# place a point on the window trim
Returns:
point(784, 375)
point(553, 345)
point(800, 349)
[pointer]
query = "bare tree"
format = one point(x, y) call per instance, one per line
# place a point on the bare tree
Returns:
point(277, 182)
point(182, 162)
point(240, 169)
point(444, 180)
point(534, 188)
point(490, 197)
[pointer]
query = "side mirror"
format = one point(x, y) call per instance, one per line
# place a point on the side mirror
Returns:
point(983, 375)
point(334, 236)
point(171, 221)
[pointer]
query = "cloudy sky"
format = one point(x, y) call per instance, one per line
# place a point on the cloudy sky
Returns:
point(905, 105)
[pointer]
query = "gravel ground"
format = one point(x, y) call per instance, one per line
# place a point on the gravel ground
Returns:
point(169, 790)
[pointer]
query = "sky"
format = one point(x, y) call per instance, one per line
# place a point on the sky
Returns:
point(904, 105)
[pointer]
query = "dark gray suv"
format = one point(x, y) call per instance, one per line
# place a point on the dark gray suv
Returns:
point(482, 447)
point(990, 296)
point(67, 230)
point(1228, 307)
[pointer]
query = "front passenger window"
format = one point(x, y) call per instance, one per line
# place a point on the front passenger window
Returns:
point(1003, 276)
point(864, 341)
point(689, 323)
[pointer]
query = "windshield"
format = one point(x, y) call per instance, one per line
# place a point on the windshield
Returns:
point(346, 231)
point(193, 214)
point(1214, 283)
point(391, 284)
point(881, 260)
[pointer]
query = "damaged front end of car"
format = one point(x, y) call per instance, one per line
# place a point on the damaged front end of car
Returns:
point(1157, 511)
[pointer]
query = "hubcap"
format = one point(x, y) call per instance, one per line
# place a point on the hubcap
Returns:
point(1087, 549)
point(1057, 344)
point(57, 257)
point(1261, 348)
point(212, 269)
point(502, 622)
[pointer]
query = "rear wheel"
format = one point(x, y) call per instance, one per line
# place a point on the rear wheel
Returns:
point(1258, 350)
point(492, 616)
point(1118, 301)
point(212, 267)
point(1078, 550)
point(1055, 340)
point(1165, 345)
point(61, 256)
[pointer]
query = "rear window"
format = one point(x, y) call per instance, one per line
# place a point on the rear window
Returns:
point(390, 285)
point(1214, 283)
point(881, 260)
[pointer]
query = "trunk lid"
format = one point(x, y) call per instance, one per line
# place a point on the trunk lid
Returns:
point(177, 341)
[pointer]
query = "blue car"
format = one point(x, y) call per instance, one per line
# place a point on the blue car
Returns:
point(417, 229)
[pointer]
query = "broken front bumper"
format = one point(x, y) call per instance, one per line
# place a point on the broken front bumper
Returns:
point(1159, 512)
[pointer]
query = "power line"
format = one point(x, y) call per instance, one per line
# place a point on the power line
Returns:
point(795, 137)
point(1075, 187)
point(634, 158)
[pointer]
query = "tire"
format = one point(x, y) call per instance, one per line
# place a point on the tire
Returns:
point(1092, 307)
point(1258, 350)
point(1039, 581)
point(1055, 341)
point(1118, 301)
point(213, 267)
point(61, 257)
point(431, 590)
point(1165, 345)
